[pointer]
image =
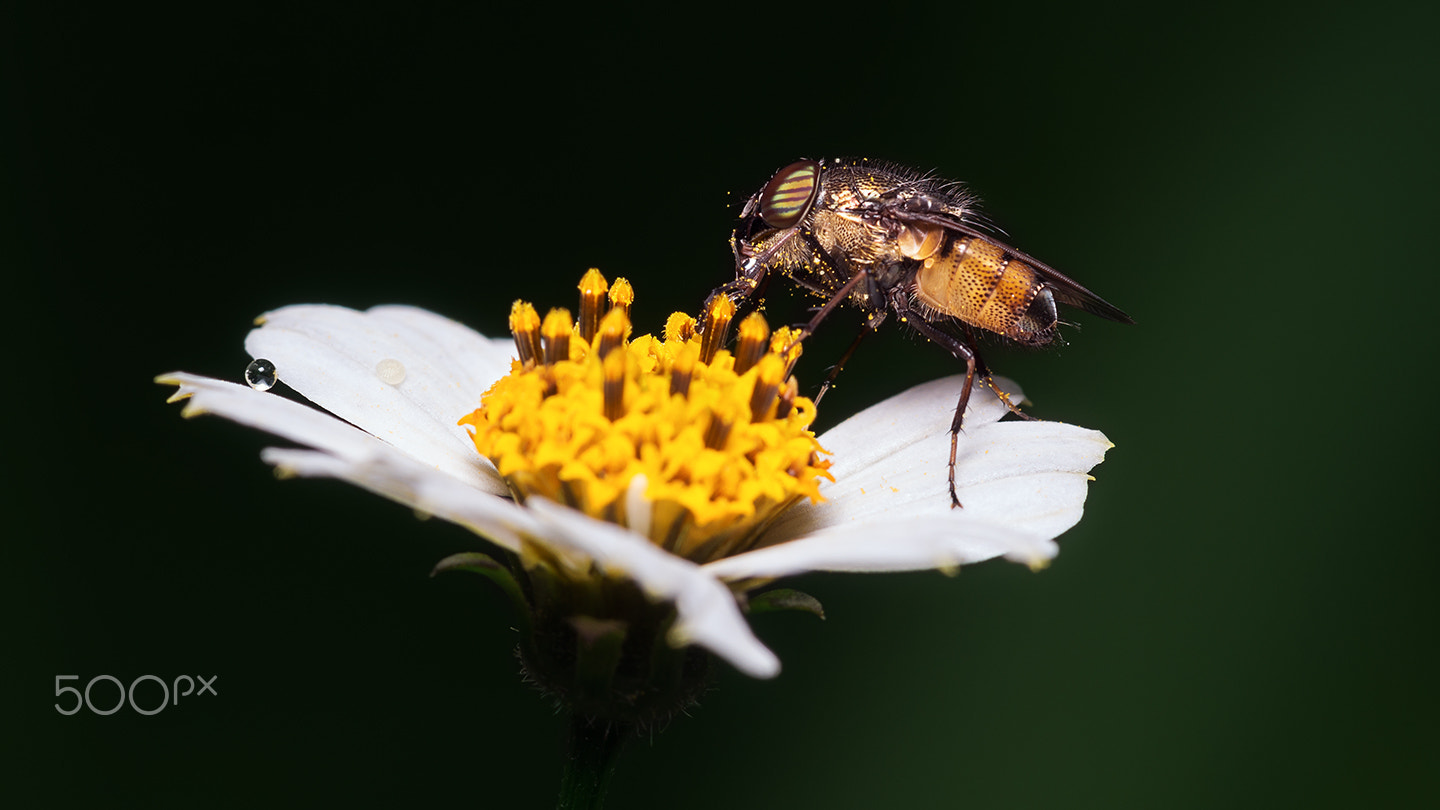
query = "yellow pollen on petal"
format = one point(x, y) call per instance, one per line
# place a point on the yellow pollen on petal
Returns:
point(722, 453)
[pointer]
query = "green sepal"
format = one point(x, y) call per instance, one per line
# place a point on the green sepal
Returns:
point(496, 572)
point(786, 599)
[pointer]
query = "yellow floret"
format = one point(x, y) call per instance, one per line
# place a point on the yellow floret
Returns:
point(717, 463)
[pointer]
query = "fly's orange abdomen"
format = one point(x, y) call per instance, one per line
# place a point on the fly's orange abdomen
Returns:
point(979, 283)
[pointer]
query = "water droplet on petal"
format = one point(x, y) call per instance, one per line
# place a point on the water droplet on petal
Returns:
point(390, 371)
point(260, 374)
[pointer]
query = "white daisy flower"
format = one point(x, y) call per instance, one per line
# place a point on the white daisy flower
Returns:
point(610, 468)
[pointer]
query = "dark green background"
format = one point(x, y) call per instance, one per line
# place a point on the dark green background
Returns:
point(1245, 617)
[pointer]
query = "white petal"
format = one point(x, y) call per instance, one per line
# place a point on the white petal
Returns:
point(273, 414)
point(1028, 475)
point(405, 481)
point(351, 454)
point(897, 545)
point(913, 417)
point(1020, 483)
point(329, 355)
point(502, 347)
point(706, 611)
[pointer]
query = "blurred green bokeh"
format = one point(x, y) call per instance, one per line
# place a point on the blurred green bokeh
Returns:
point(1243, 619)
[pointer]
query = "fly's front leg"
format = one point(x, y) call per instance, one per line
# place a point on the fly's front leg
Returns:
point(854, 277)
point(871, 324)
point(745, 292)
point(962, 351)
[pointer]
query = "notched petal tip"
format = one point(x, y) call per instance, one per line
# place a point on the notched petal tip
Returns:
point(175, 378)
point(1035, 556)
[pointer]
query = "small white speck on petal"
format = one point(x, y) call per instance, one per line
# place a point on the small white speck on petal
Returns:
point(390, 371)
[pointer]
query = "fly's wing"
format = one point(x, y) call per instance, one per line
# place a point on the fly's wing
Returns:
point(1066, 290)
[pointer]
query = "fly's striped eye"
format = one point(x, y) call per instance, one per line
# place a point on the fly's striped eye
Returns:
point(788, 196)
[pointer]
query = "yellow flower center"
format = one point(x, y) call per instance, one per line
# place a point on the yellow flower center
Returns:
point(721, 438)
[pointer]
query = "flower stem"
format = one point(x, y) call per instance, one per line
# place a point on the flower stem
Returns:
point(591, 749)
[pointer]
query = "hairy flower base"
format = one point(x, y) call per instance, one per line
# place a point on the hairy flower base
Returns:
point(600, 648)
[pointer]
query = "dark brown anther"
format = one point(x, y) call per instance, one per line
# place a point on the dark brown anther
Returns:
point(525, 326)
point(556, 331)
point(721, 421)
point(613, 331)
point(717, 327)
point(592, 297)
point(613, 367)
point(682, 370)
point(785, 402)
point(752, 342)
point(767, 384)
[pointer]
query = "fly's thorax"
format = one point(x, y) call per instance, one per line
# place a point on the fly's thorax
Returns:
point(844, 234)
point(983, 285)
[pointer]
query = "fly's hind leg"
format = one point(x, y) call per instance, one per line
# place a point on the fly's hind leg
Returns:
point(973, 365)
point(1005, 398)
point(989, 379)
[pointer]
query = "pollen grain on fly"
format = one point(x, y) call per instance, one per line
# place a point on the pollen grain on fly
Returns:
point(724, 445)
